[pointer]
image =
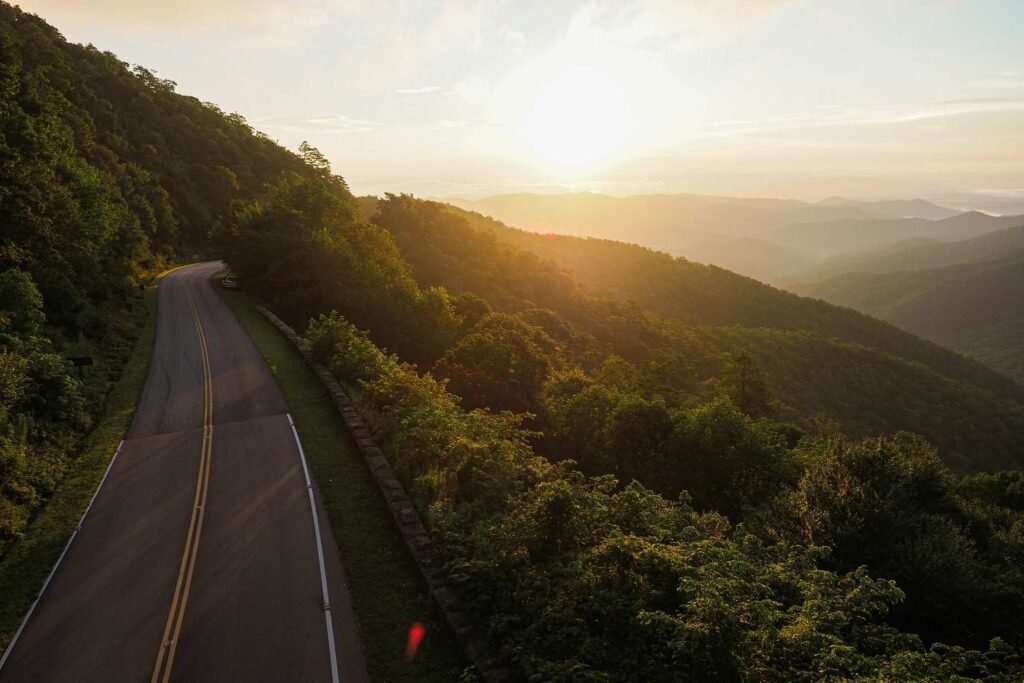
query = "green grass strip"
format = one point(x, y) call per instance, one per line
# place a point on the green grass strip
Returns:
point(30, 559)
point(387, 590)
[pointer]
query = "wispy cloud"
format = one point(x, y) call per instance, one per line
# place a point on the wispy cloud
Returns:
point(1011, 193)
point(673, 23)
point(1007, 80)
point(185, 14)
point(419, 91)
point(336, 123)
point(835, 116)
point(449, 124)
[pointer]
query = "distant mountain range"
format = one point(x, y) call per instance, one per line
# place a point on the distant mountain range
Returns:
point(850, 235)
point(666, 221)
point(768, 239)
point(895, 208)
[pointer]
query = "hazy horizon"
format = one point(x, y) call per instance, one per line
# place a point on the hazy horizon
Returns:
point(777, 98)
point(552, 191)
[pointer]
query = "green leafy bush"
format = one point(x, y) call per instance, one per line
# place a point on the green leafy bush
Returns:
point(348, 350)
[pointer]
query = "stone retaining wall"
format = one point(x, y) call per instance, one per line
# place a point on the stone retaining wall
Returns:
point(474, 640)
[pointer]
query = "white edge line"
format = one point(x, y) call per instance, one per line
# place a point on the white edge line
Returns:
point(319, 554)
point(39, 596)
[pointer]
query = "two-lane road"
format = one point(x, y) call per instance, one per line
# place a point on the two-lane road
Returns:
point(198, 560)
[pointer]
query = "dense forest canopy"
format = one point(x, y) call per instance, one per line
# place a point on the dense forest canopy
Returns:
point(669, 473)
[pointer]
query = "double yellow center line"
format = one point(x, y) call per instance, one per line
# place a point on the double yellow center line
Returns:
point(172, 631)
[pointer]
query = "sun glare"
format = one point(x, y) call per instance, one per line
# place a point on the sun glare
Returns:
point(579, 117)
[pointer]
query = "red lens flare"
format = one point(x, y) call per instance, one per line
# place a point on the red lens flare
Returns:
point(416, 633)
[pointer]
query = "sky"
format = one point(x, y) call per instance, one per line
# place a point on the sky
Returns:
point(787, 98)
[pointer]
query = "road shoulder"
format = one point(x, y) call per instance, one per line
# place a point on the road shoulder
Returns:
point(387, 592)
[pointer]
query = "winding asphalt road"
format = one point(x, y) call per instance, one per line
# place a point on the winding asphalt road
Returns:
point(199, 558)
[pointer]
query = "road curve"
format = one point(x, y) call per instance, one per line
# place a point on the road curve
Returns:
point(235, 582)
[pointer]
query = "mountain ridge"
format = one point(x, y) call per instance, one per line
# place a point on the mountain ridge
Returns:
point(915, 254)
point(975, 308)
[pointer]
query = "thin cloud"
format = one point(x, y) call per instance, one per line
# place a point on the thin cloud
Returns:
point(179, 14)
point(262, 22)
point(673, 23)
point(864, 116)
point(419, 91)
point(1011, 193)
point(1007, 80)
point(319, 124)
point(449, 124)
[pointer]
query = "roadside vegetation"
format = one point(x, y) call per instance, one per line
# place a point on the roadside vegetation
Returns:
point(25, 564)
point(835, 559)
point(388, 593)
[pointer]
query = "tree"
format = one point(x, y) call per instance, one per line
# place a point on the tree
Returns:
point(502, 364)
point(21, 304)
point(638, 436)
point(727, 461)
point(314, 158)
point(746, 385)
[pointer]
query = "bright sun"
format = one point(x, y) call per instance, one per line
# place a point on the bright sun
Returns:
point(579, 117)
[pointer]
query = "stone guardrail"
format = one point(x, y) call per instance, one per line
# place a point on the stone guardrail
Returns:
point(474, 639)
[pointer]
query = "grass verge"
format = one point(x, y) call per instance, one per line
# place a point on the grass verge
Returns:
point(25, 566)
point(387, 591)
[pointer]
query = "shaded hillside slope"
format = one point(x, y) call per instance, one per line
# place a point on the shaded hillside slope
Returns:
point(872, 393)
point(751, 256)
point(975, 308)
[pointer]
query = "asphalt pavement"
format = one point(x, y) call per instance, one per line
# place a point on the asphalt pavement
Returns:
point(198, 560)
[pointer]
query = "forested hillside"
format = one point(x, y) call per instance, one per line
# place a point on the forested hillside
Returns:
point(619, 494)
point(849, 381)
point(105, 175)
point(975, 308)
